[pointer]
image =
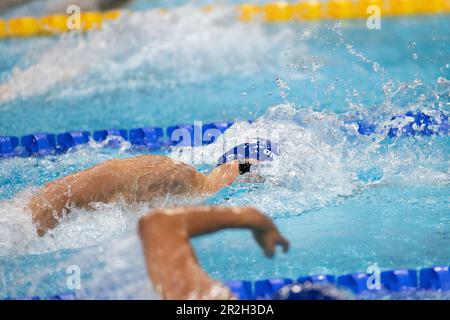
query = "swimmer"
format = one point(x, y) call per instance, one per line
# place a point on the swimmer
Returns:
point(170, 258)
point(140, 179)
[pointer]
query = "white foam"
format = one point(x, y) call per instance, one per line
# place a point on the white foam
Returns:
point(321, 160)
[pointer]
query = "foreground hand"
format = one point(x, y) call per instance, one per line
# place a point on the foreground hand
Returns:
point(268, 238)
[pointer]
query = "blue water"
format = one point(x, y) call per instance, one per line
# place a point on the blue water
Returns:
point(145, 70)
point(133, 86)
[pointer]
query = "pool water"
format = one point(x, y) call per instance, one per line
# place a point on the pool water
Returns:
point(345, 201)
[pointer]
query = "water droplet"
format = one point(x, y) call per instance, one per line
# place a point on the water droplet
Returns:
point(306, 34)
point(376, 67)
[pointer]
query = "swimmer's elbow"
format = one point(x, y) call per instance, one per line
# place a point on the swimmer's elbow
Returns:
point(153, 221)
point(43, 221)
point(143, 225)
point(35, 207)
point(43, 216)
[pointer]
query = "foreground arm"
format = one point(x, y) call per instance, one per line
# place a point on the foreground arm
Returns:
point(170, 258)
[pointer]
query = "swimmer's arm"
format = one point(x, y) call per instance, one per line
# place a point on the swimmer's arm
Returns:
point(171, 261)
point(206, 219)
point(77, 190)
point(221, 177)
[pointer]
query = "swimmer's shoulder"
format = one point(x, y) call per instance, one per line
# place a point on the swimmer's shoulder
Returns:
point(153, 160)
point(147, 160)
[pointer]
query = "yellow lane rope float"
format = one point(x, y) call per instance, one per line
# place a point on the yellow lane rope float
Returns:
point(269, 12)
point(338, 9)
point(52, 24)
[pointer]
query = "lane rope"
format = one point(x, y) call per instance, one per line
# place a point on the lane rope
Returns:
point(412, 123)
point(53, 24)
point(385, 282)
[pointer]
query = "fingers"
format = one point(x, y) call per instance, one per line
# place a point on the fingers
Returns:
point(41, 231)
point(280, 240)
point(258, 238)
point(283, 243)
point(269, 248)
point(271, 241)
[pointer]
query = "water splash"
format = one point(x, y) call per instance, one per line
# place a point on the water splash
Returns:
point(323, 160)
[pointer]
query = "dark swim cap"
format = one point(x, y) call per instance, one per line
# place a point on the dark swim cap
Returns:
point(259, 149)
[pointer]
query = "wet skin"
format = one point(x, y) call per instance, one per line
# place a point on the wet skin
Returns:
point(170, 258)
point(133, 180)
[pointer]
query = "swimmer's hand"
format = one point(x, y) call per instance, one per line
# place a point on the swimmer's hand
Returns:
point(204, 219)
point(268, 237)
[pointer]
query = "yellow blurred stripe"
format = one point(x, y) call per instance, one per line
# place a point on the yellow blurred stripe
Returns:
point(22, 27)
point(208, 8)
point(309, 10)
point(53, 24)
point(342, 9)
point(248, 12)
point(2, 28)
point(278, 12)
point(430, 6)
point(112, 15)
point(91, 20)
point(401, 7)
point(363, 5)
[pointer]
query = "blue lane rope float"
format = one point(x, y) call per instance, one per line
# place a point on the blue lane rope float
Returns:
point(39, 144)
point(69, 140)
point(319, 279)
point(395, 280)
point(148, 138)
point(109, 136)
point(415, 123)
point(59, 296)
point(185, 135)
point(8, 145)
point(437, 278)
point(266, 289)
point(392, 281)
point(213, 130)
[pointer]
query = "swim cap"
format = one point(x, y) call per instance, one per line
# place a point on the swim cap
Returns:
point(258, 149)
